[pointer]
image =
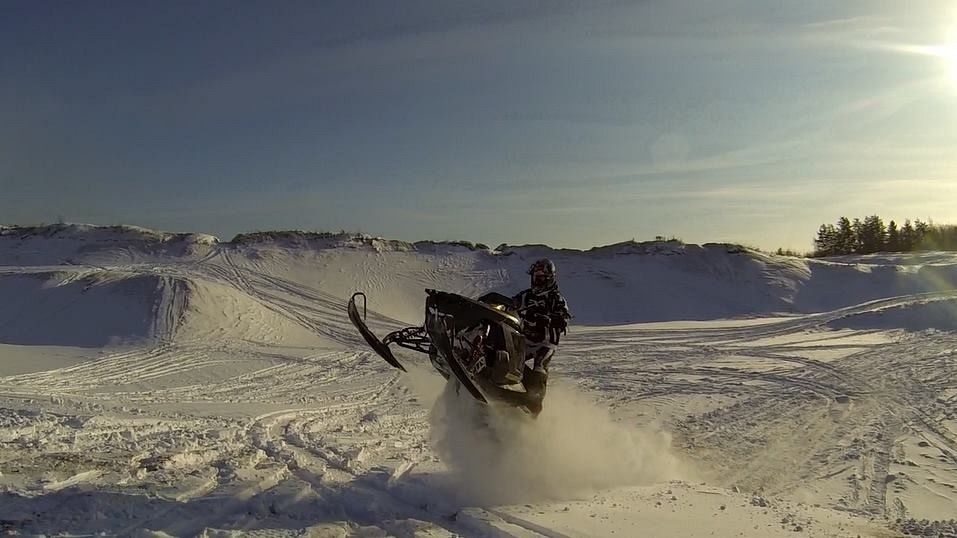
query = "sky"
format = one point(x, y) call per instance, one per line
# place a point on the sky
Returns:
point(569, 123)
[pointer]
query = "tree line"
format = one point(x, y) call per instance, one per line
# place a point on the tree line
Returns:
point(871, 235)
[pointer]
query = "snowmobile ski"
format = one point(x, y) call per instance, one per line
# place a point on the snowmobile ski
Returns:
point(444, 345)
point(359, 321)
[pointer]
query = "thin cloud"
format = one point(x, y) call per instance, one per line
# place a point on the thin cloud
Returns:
point(851, 27)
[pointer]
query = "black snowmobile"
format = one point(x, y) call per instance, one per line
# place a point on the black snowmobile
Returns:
point(476, 342)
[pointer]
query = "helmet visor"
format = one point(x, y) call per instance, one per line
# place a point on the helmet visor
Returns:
point(539, 278)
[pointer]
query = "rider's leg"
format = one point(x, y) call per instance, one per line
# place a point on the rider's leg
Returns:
point(536, 378)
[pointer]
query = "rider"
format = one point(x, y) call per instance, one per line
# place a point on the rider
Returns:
point(545, 316)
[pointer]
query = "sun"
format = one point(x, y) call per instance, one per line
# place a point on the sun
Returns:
point(947, 51)
point(949, 54)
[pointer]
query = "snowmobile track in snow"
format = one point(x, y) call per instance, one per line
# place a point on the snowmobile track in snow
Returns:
point(184, 433)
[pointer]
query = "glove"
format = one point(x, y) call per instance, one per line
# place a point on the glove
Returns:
point(559, 323)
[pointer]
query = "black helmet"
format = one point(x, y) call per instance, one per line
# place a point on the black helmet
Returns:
point(543, 274)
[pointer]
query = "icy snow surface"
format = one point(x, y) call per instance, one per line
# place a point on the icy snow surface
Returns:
point(159, 384)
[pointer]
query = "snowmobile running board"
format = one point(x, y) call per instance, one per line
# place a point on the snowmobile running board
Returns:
point(359, 321)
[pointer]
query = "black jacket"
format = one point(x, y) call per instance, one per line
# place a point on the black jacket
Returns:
point(544, 314)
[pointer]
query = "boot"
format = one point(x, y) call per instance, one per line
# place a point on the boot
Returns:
point(535, 382)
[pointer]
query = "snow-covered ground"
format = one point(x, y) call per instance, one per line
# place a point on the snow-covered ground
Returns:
point(172, 384)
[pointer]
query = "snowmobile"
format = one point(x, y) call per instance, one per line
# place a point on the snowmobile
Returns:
point(476, 343)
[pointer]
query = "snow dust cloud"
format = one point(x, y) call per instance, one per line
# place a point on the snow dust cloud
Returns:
point(573, 448)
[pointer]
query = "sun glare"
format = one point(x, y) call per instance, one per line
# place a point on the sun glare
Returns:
point(944, 52)
point(949, 53)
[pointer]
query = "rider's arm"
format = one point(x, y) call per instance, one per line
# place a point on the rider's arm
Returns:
point(561, 307)
point(517, 300)
point(560, 314)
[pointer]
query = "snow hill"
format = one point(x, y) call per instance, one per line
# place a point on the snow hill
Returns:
point(623, 283)
point(179, 384)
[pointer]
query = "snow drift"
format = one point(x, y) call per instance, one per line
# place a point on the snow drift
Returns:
point(938, 313)
point(96, 308)
point(86, 309)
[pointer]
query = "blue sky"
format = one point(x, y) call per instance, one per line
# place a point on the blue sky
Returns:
point(568, 123)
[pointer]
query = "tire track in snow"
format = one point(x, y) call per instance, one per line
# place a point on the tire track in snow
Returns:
point(796, 415)
point(327, 312)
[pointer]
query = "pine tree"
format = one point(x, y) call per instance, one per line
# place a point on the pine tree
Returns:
point(826, 242)
point(856, 230)
point(908, 237)
point(872, 235)
point(893, 237)
point(948, 237)
point(845, 236)
point(920, 231)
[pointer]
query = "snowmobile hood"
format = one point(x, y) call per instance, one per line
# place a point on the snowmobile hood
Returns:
point(469, 311)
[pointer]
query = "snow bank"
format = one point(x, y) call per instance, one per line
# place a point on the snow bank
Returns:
point(343, 239)
point(831, 285)
point(215, 311)
point(96, 308)
point(939, 314)
point(617, 284)
point(57, 244)
point(77, 309)
point(664, 281)
point(624, 283)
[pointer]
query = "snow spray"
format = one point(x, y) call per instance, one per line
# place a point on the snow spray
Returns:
point(501, 455)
